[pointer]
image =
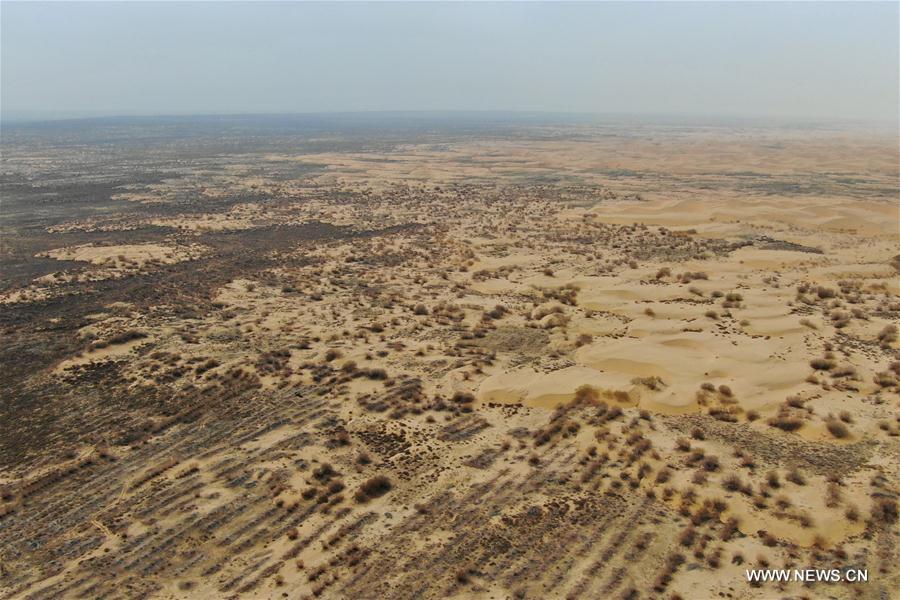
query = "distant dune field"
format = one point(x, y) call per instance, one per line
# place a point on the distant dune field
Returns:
point(573, 362)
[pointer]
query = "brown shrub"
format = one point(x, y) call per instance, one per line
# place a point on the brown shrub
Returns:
point(821, 364)
point(373, 488)
point(711, 463)
point(837, 429)
point(796, 477)
point(785, 423)
point(663, 476)
point(845, 371)
point(687, 536)
point(884, 510)
point(732, 483)
point(888, 335)
point(728, 529)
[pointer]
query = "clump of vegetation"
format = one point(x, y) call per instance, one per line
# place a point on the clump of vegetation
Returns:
point(373, 487)
point(837, 429)
point(884, 510)
point(120, 338)
point(795, 477)
point(732, 482)
point(785, 423)
point(888, 336)
point(324, 472)
point(821, 364)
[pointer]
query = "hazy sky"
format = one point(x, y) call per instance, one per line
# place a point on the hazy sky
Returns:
point(813, 59)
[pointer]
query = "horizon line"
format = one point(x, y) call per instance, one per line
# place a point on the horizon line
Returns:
point(23, 117)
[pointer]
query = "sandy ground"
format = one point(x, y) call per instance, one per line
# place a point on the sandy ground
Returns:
point(653, 373)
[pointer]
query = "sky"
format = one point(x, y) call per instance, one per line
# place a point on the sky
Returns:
point(809, 60)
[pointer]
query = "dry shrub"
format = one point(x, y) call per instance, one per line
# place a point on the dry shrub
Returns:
point(821, 364)
point(732, 482)
point(837, 429)
point(785, 423)
point(833, 496)
point(373, 488)
point(885, 379)
point(583, 340)
point(729, 528)
point(884, 510)
point(664, 475)
point(376, 374)
point(796, 477)
point(711, 463)
point(845, 371)
point(888, 335)
point(463, 398)
point(795, 401)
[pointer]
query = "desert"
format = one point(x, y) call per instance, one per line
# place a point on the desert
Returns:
point(541, 361)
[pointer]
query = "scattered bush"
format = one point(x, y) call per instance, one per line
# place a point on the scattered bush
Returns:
point(732, 483)
point(837, 429)
point(821, 364)
point(373, 488)
point(795, 477)
point(785, 423)
point(884, 510)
